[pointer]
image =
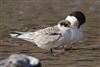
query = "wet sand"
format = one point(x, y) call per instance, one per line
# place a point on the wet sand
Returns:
point(31, 15)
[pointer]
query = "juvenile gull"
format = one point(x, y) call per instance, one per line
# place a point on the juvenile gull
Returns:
point(49, 37)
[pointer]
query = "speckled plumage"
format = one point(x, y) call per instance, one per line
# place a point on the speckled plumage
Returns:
point(47, 38)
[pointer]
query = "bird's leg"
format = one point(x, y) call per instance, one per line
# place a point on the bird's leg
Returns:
point(70, 46)
point(64, 48)
point(51, 50)
point(67, 47)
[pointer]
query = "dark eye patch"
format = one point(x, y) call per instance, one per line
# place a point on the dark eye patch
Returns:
point(64, 24)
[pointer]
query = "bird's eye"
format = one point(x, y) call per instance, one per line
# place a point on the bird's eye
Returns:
point(64, 24)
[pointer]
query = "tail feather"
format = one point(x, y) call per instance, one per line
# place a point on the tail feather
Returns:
point(15, 34)
point(28, 36)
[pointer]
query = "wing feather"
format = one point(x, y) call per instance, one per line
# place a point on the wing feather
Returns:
point(47, 35)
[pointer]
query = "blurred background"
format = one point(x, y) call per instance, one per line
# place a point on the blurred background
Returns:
point(31, 15)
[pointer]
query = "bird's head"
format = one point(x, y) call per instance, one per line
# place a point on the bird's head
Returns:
point(76, 18)
point(64, 25)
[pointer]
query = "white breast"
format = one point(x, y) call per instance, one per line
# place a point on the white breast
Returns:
point(77, 35)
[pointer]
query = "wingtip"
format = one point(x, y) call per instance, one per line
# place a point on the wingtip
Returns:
point(15, 34)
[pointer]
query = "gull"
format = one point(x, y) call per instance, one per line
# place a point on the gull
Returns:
point(76, 19)
point(20, 60)
point(47, 38)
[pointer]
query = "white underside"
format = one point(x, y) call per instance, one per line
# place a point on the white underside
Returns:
point(77, 35)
